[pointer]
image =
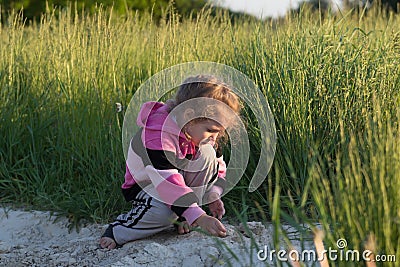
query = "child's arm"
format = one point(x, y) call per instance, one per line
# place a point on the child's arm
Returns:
point(173, 191)
point(216, 206)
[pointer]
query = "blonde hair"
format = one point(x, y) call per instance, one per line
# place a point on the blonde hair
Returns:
point(210, 87)
point(207, 86)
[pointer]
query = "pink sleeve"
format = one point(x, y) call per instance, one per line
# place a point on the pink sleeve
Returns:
point(192, 213)
point(173, 191)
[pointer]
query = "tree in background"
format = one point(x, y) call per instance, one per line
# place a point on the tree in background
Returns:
point(318, 4)
point(388, 5)
point(33, 9)
point(357, 5)
point(313, 5)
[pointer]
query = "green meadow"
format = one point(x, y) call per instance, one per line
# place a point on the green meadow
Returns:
point(332, 83)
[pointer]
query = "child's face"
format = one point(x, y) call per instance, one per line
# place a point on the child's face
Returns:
point(204, 130)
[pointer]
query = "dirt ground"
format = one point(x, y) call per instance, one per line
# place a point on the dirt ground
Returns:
point(35, 238)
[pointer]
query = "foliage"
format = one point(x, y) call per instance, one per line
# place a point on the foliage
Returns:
point(387, 4)
point(332, 85)
point(356, 5)
point(33, 9)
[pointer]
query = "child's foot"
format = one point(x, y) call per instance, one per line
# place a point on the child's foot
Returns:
point(107, 239)
point(107, 242)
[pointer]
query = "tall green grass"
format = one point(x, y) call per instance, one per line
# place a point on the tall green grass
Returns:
point(332, 83)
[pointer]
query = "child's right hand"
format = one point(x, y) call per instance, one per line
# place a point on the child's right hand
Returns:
point(211, 225)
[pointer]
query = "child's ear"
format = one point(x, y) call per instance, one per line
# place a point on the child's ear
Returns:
point(188, 115)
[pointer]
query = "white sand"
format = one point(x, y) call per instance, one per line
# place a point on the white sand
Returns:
point(34, 238)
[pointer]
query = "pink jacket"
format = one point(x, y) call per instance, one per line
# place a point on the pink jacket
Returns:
point(157, 143)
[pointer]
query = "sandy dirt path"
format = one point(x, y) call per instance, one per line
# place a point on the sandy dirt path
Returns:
point(35, 238)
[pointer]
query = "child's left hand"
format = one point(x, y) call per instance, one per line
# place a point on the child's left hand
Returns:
point(216, 206)
point(183, 228)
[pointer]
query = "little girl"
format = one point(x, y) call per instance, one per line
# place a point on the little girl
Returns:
point(174, 164)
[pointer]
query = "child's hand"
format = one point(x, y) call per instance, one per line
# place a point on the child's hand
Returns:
point(183, 228)
point(211, 225)
point(216, 206)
